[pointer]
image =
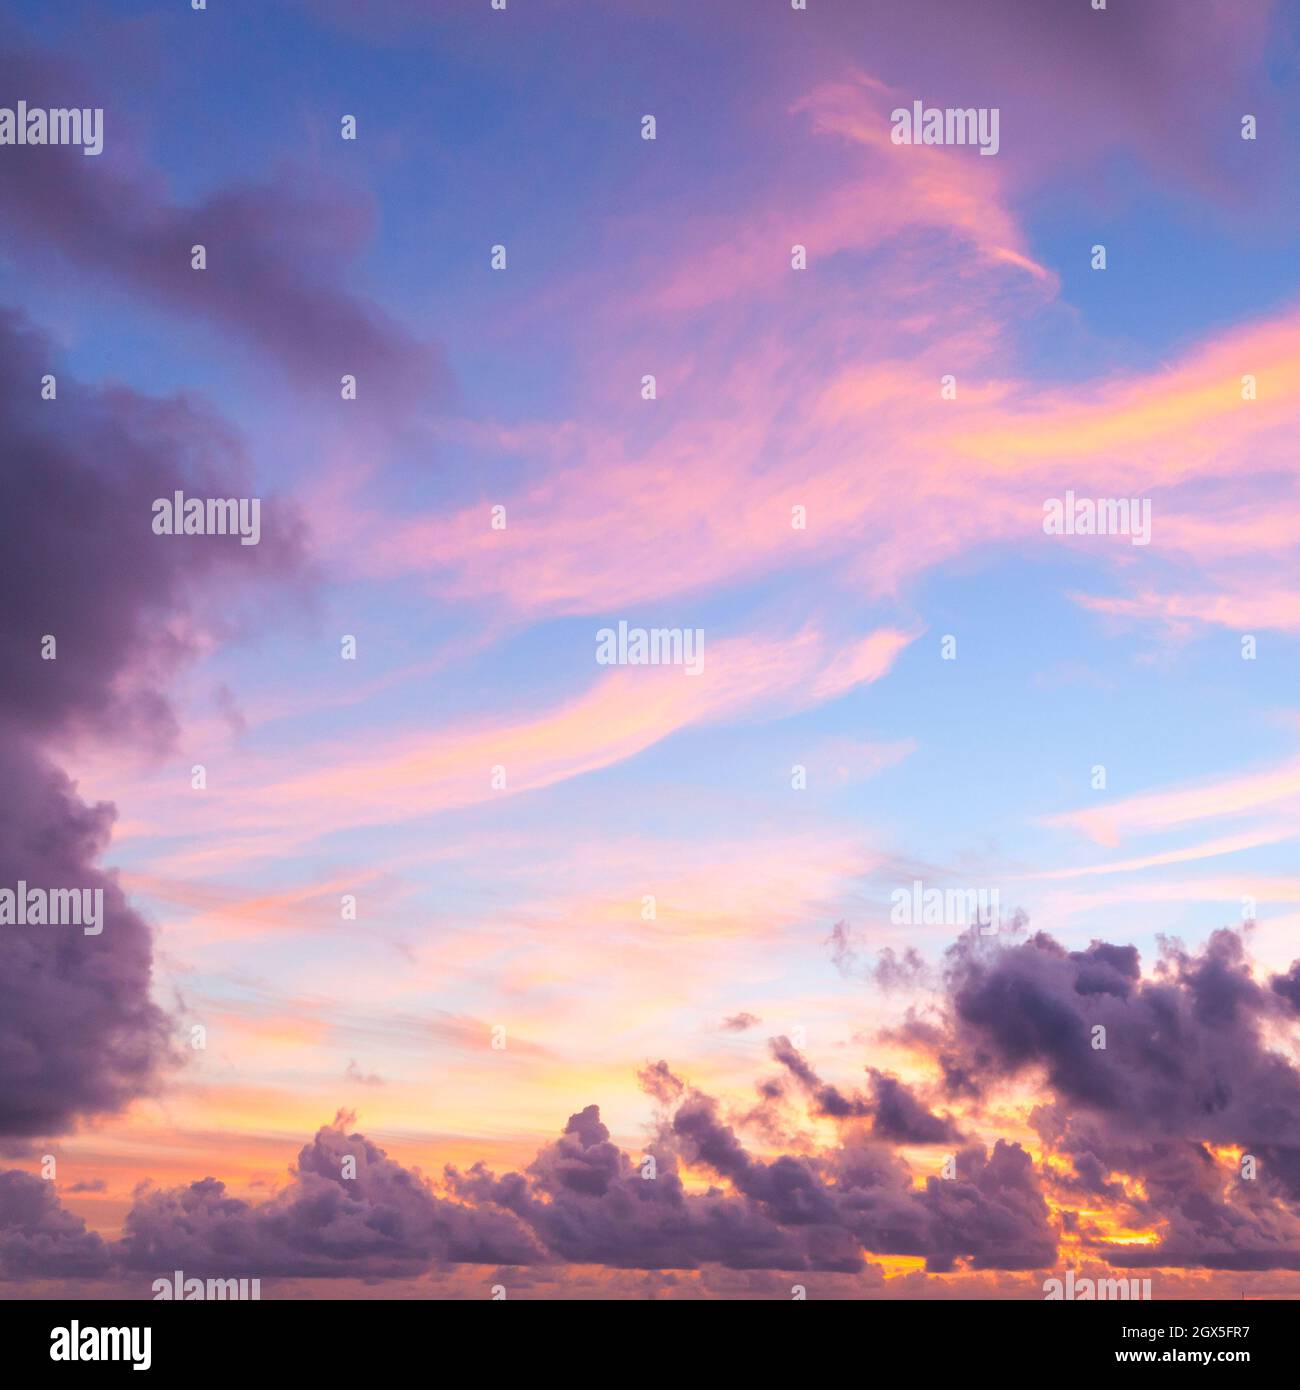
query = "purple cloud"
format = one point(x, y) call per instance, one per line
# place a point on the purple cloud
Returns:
point(349, 1210)
point(273, 249)
point(79, 1033)
point(1145, 1075)
point(38, 1238)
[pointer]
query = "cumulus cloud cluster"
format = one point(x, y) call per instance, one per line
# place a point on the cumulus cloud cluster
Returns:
point(1149, 1126)
point(351, 1210)
point(1190, 1080)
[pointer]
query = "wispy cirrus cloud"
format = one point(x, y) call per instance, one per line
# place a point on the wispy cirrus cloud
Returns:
point(618, 716)
point(1274, 791)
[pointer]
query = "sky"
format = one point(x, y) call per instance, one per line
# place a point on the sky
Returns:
point(440, 954)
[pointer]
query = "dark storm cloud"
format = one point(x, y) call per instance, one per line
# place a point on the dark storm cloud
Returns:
point(896, 1113)
point(1183, 1054)
point(584, 1200)
point(1187, 1064)
point(827, 1099)
point(79, 1035)
point(78, 556)
point(899, 1116)
point(588, 1202)
point(349, 1209)
point(385, 1221)
point(38, 1238)
point(990, 1212)
point(993, 1212)
point(274, 247)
